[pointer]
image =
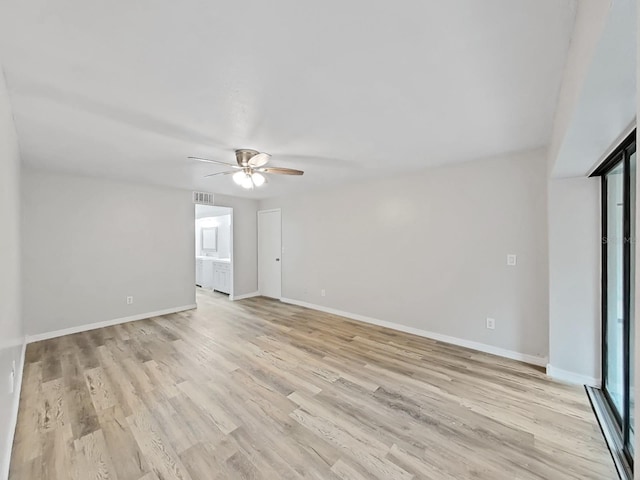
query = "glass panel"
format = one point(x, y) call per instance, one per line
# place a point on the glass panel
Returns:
point(632, 289)
point(614, 375)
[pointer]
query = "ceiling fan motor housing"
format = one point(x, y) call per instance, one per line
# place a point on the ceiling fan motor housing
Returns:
point(243, 156)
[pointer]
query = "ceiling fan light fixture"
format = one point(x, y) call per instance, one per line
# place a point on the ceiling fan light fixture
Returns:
point(247, 183)
point(258, 179)
point(240, 177)
point(250, 169)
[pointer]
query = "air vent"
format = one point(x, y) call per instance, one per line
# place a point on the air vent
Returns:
point(203, 198)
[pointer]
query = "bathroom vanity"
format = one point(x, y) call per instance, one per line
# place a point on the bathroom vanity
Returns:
point(214, 273)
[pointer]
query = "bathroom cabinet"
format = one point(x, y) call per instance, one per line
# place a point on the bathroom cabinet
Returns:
point(222, 276)
point(214, 274)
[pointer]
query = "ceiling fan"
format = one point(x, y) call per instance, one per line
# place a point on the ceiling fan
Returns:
point(248, 173)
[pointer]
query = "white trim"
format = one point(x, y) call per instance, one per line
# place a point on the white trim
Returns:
point(232, 289)
point(481, 347)
point(571, 377)
point(616, 143)
point(233, 298)
point(108, 323)
point(13, 414)
point(270, 210)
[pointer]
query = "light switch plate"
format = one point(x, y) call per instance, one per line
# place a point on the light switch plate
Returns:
point(512, 259)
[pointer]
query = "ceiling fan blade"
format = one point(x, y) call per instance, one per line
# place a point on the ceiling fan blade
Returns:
point(214, 161)
point(220, 173)
point(259, 160)
point(281, 171)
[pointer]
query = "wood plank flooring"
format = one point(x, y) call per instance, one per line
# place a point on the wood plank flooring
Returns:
point(261, 390)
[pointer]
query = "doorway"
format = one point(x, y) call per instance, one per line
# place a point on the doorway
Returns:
point(270, 253)
point(214, 249)
point(616, 414)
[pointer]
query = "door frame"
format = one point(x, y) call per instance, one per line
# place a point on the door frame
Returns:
point(232, 286)
point(619, 158)
point(269, 210)
point(620, 155)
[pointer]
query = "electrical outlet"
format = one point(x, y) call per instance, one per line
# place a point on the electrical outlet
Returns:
point(129, 300)
point(512, 259)
point(323, 293)
point(491, 323)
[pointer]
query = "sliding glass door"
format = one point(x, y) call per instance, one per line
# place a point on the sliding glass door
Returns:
point(618, 271)
point(632, 288)
point(614, 383)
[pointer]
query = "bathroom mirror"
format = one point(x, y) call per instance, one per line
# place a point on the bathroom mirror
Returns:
point(210, 239)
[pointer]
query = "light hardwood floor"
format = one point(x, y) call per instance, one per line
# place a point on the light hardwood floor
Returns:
point(261, 390)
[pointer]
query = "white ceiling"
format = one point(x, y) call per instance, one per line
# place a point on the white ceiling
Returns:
point(341, 89)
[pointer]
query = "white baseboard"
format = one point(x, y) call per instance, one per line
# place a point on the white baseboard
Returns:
point(108, 323)
point(244, 295)
point(571, 377)
point(13, 414)
point(481, 347)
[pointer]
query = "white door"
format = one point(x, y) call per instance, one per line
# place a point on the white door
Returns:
point(269, 253)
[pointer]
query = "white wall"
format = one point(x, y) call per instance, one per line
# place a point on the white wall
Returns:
point(428, 250)
point(594, 110)
point(89, 243)
point(606, 103)
point(203, 211)
point(245, 235)
point(591, 18)
point(574, 279)
point(11, 326)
